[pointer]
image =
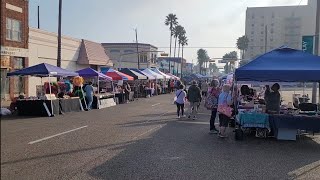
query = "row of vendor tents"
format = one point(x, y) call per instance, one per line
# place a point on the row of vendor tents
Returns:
point(109, 74)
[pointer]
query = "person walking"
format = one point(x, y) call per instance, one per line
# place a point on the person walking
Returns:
point(89, 94)
point(212, 104)
point(180, 100)
point(204, 89)
point(127, 90)
point(224, 109)
point(194, 97)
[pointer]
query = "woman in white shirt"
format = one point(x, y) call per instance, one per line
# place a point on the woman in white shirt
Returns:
point(180, 100)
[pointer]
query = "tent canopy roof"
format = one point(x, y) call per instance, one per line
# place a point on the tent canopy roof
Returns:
point(150, 76)
point(282, 64)
point(116, 75)
point(89, 72)
point(133, 73)
point(43, 70)
point(161, 73)
point(156, 75)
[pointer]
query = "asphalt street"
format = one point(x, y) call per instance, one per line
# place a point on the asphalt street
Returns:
point(145, 140)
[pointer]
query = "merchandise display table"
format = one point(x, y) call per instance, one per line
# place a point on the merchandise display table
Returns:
point(253, 120)
point(43, 107)
point(285, 126)
point(103, 100)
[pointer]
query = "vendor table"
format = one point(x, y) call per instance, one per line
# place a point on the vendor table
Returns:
point(253, 120)
point(103, 100)
point(70, 105)
point(285, 126)
point(37, 107)
point(43, 107)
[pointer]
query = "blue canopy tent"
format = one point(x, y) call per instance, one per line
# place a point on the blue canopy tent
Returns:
point(281, 65)
point(197, 76)
point(89, 72)
point(44, 70)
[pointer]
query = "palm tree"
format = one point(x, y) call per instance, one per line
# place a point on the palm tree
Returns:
point(171, 21)
point(213, 68)
point(242, 44)
point(202, 58)
point(183, 40)
point(177, 31)
point(181, 34)
point(230, 59)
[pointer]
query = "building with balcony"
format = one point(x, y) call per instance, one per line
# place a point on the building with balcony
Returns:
point(124, 55)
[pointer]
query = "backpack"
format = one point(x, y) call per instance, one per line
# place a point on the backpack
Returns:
point(211, 102)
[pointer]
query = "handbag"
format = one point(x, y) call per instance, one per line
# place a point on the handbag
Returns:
point(225, 109)
point(176, 97)
point(211, 102)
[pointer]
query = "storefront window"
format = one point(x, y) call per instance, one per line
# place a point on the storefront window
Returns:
point(13, 30)
point(4, 84)
point(18, 63)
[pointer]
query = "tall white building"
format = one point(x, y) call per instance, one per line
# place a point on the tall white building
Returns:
point(268, 28)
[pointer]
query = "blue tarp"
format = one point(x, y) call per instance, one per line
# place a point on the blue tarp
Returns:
point(43, 70)
point(281, 65)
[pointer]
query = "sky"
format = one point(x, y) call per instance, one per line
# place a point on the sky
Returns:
point(213, 25)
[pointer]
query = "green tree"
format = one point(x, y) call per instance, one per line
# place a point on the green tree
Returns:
point(213, 68)
point(202, 58)
point(242, 44)
point(171, 21)
point(230, 59)
point(177, 31)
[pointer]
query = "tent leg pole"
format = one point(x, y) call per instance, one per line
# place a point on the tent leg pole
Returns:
point(52, 114)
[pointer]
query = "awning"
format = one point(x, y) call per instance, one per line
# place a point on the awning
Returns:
point(173, 76)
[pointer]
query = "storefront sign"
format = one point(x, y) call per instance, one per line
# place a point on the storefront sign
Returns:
point(307, 44)
point(12, 51)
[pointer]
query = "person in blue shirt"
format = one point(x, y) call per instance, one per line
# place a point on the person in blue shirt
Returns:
point(225, 98)
point(89, 94)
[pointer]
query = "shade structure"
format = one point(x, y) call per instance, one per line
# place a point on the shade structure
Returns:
point(89, 72)
point(43, 70)
point(161, 73)
point(149, 76)
point(283, 64)
point(197, 76)
point(116, 75)
point(156, 75)
point(173, 76)
point(134, 74)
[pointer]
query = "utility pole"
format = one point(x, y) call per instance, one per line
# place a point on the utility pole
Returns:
point(59, 35)
point(265, 38)
point(38, 17)
point(137, 48)
point(316, 52)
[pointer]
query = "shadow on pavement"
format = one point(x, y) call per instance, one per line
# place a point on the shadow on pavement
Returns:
point(187, 151)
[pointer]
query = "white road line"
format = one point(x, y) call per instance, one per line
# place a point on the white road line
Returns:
point(191, 122)
point(155, 104)
point(49, 137)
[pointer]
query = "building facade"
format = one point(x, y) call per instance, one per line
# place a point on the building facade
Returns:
point(268, 28)
point(14, 47)
point(124, 55)
point(76, 54)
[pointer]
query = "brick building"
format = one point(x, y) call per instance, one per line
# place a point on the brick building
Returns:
point(14, 46)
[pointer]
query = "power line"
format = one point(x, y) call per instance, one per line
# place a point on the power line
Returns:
point(212, 47)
